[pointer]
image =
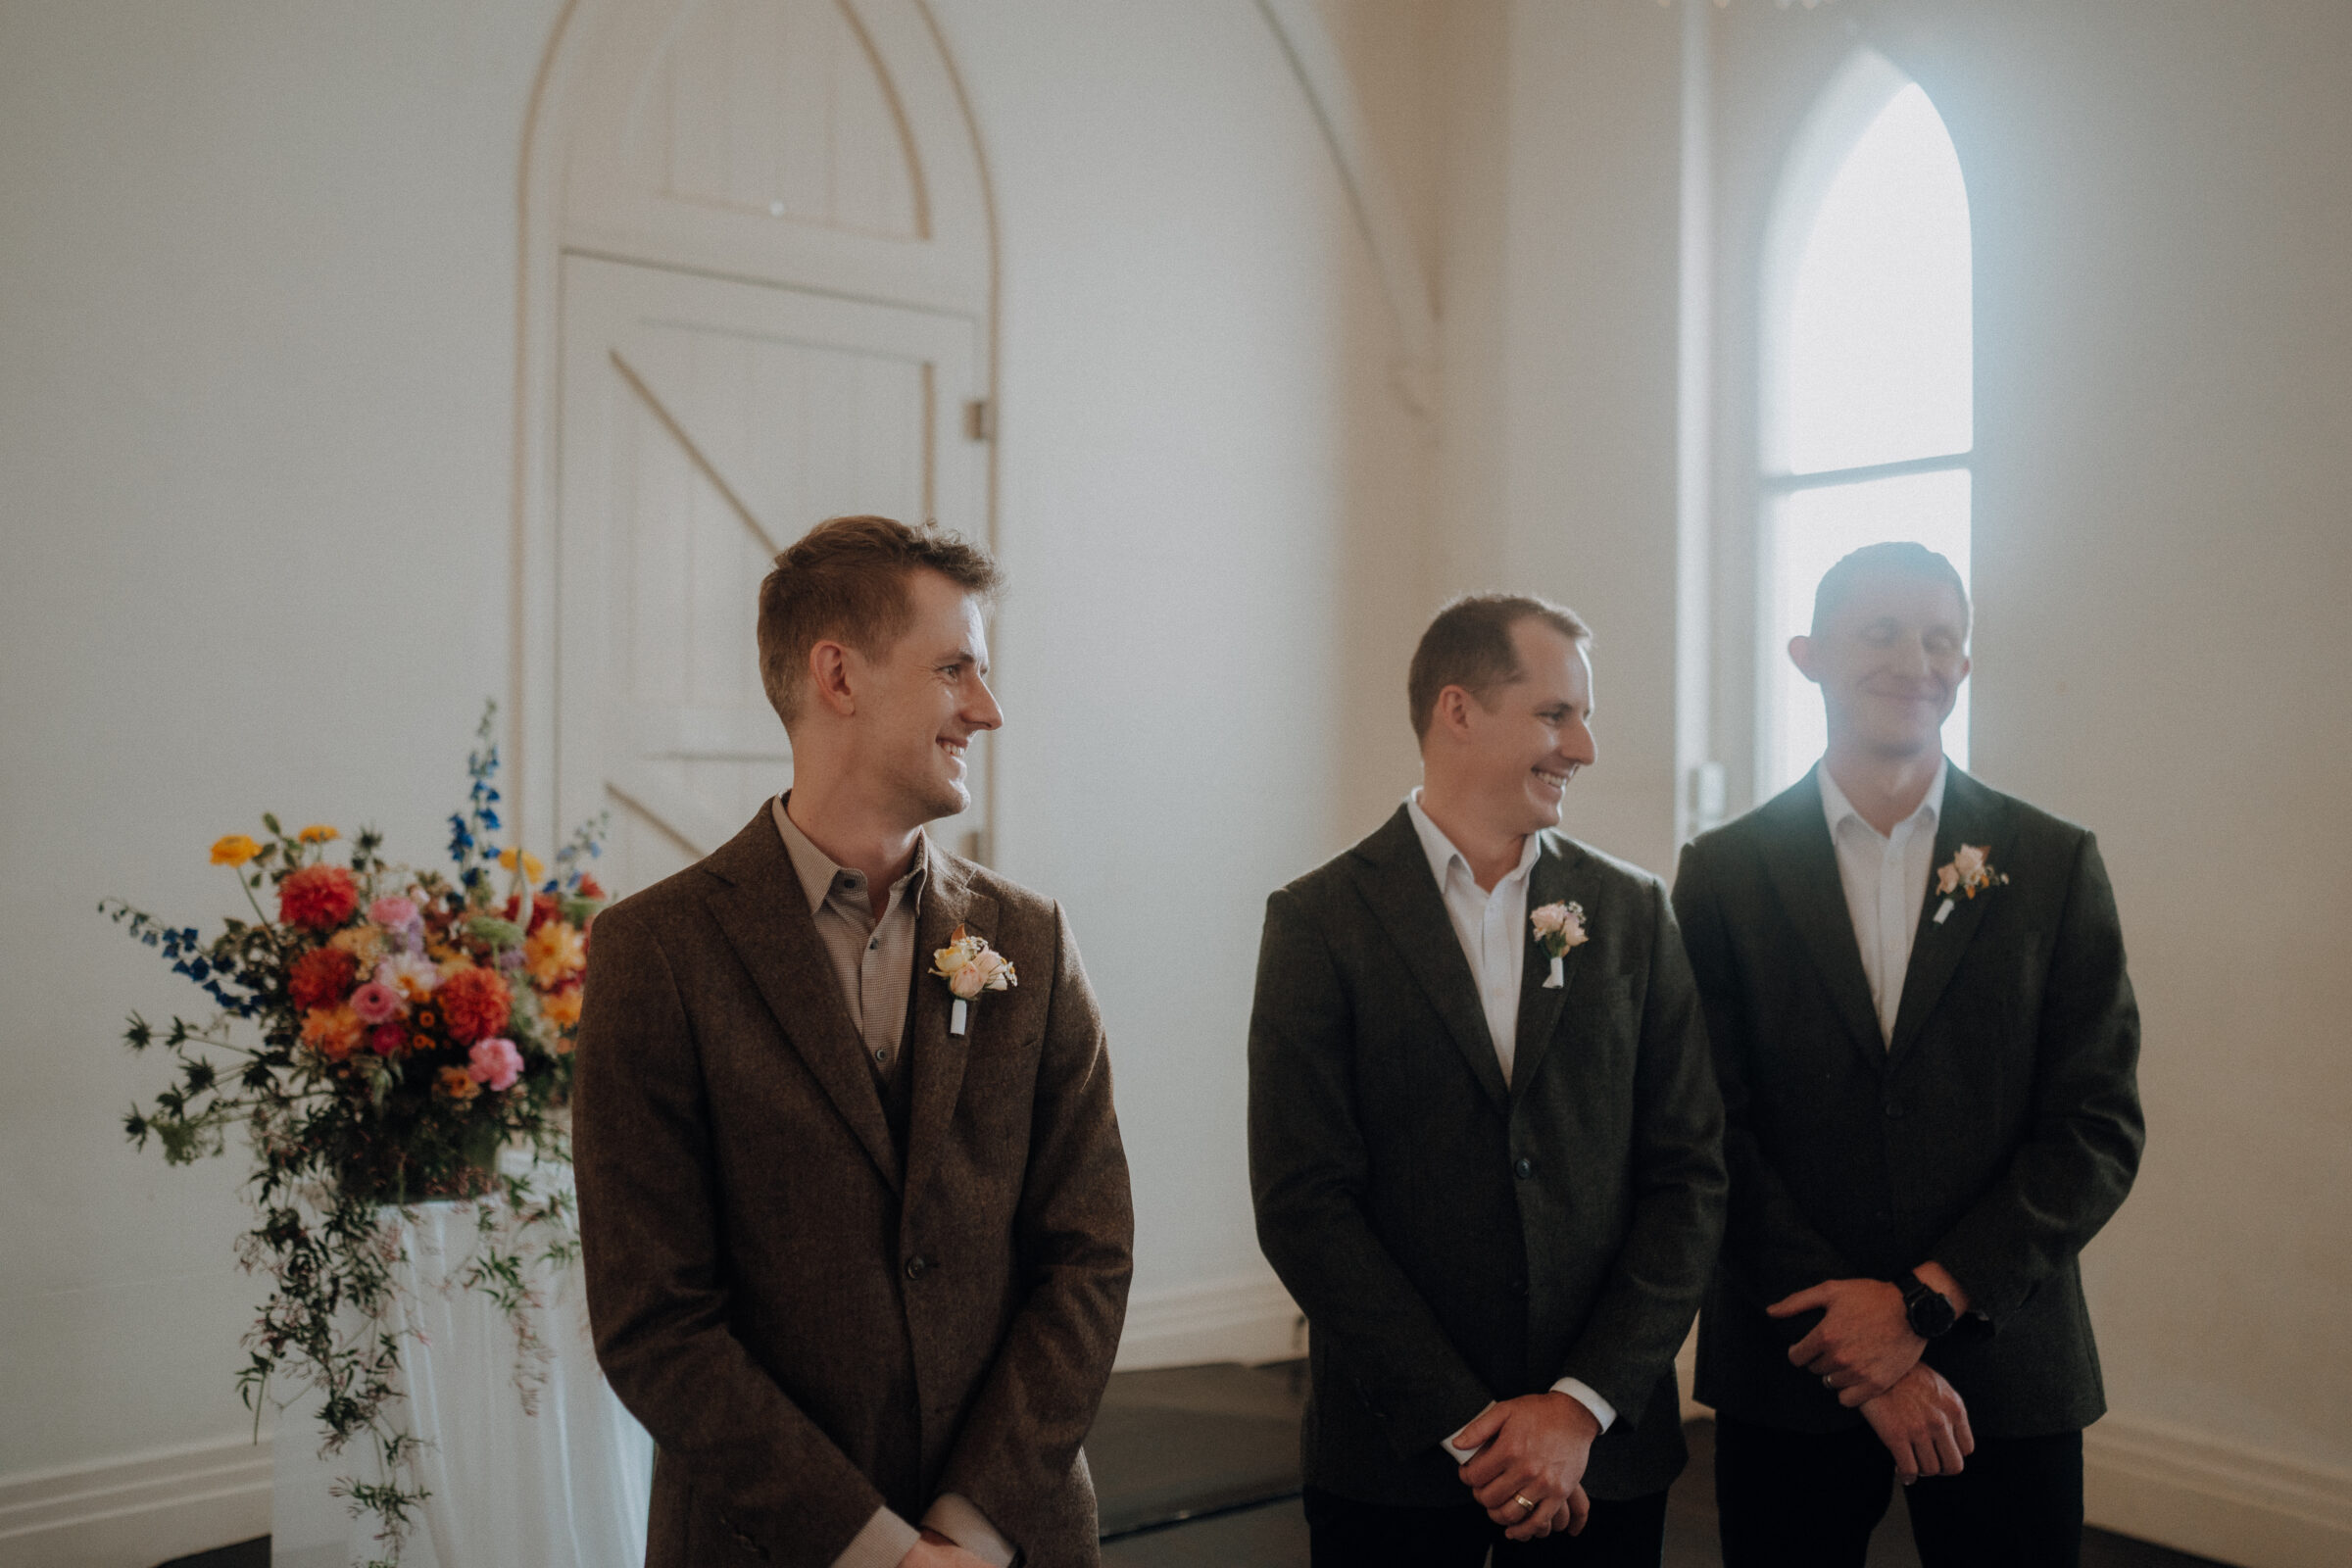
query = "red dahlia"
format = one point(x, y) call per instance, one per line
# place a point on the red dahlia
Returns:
point(321, 978)
point(318, 896)
point(475, 1004)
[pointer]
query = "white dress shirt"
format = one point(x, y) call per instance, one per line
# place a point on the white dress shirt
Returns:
point(1495, 936)
point(1886, 879)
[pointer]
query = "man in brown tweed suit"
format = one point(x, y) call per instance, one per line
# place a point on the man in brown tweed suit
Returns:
point(858, 1247)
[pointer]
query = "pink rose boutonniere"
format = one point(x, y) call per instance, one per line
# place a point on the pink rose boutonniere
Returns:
point(969, 966)
point(1968, 872)
point(1558, 928)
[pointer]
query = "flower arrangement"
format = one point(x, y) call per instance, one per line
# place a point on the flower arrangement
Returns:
point(413, 1027)
point(969, 966)
point(1558, 927)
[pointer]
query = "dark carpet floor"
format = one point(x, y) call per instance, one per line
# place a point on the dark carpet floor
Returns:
point(1198, 1467)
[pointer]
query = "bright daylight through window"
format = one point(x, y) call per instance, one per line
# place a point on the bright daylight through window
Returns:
point(1867, 391)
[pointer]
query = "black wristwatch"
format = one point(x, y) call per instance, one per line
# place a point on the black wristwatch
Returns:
point(1930, 1314)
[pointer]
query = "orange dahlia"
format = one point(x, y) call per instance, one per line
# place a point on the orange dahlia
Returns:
point(321, 977)
point(319, 898)
point(475, 1002)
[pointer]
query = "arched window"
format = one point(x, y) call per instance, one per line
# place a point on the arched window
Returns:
point(1867, 423)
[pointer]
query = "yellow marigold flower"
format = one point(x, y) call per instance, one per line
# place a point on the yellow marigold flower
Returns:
point(458, 1084)
point(365, 944)
point(562, 1009)
point(532, 868)
point(234, 850)
point(554, 951)
point(318, 833)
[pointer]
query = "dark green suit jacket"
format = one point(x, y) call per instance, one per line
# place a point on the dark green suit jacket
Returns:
point(1453, 1239)
point(1994, 1136)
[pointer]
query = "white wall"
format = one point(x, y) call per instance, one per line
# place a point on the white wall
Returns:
point(1195, 510)
point(255, 378)
point(256, 368)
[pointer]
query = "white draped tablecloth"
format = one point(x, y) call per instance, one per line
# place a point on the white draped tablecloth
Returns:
point(565, 1486)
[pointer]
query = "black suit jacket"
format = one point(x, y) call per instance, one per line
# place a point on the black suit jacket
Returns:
point(1995, 1135)
point(1453, 1239)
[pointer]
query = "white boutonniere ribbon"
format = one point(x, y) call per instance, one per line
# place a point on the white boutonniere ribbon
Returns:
point(1558, 927)
point(969, 966)
point(1968, 873)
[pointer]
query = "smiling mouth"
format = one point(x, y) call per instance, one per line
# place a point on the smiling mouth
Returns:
point(1558, 781)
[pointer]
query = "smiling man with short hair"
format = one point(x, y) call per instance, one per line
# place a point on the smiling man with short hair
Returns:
point(1926, 1041)
point(1484, 1139)
point(858, 1240)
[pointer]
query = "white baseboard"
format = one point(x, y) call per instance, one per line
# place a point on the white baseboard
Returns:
point(1249, 1318)
point(2172, 1486)
point(137, 1510)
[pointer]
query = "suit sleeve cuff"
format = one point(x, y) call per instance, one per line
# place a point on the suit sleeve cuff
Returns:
point(1463, 1456)
point(885, 1540)
point(1586, 1395)
point(954, 1516)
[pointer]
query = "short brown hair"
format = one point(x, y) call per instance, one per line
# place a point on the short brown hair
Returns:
point(1904, 556)
point(847, 579)
point(1469, 645)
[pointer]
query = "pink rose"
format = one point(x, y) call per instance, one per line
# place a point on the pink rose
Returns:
point(377, 1002)
point(496, 1064)
point(967, 981)
point(393, 911)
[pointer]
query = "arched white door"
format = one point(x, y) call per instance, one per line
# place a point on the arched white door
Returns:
point(772, 289)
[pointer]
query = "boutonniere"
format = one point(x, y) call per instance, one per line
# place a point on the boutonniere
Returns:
point(1967, 874)
point(1558, 927)
point(969, 966)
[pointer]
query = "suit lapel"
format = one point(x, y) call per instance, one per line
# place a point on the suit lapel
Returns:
point(1550, 880)
point(1392, 874)
point(765, 916)
point(1972, 814)
point(1802, 864)
point(937, 1058)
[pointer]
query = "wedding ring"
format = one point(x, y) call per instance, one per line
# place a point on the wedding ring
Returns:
point(1827, 1382)
point(1524, 1501)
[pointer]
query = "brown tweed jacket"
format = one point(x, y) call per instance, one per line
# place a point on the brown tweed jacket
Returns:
point(809, 1326)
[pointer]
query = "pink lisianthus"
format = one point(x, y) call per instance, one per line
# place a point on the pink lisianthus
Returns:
point(377, 1002)
point(393, 912)
point(496, 1064)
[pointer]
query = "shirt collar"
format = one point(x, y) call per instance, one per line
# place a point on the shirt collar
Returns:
point(817, 872)
point(1441, 852)
point(1837, 807)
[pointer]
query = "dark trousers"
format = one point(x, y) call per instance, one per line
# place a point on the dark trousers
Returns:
point(1791, 1500)
point(1345, 1533)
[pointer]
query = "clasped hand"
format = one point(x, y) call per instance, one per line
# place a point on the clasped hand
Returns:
point(935, 1551)
point(1535, 1446)
point(1863, 1344)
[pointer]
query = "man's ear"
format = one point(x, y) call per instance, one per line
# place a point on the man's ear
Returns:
point(1800, 654)
point(829, 678)
point(1450, 712)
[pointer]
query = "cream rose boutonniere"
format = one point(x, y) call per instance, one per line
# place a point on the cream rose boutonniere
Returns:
point(1968, 872)
point(969, 966)
point(1558, 928)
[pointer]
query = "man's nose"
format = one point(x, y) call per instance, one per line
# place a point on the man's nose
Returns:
point(980, 709)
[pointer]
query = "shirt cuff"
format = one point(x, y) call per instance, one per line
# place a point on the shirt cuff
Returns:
point(1589, 1396)
point(1463, 1456)
point(954, 1516)
point(885, 1540)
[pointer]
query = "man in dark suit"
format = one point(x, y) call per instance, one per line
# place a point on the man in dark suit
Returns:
point(1492, 1177)
point(858, 1233)
point(1926, 1042)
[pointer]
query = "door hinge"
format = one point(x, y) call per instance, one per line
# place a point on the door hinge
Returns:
point(980, 419)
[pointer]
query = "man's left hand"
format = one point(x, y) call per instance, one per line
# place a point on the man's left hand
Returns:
point(1863, 1344)
point(1535, 1446)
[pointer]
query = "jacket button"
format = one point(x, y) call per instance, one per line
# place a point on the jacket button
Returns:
point(1524, 1169)
point(917, 1267)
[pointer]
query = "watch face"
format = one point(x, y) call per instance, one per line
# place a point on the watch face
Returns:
point(1930, 1314)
